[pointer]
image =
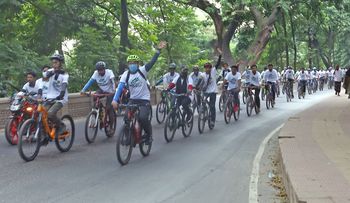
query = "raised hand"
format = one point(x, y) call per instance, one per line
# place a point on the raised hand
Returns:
point(162, 44)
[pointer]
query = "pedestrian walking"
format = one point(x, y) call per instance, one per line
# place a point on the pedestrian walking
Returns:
point(346, 83)
point(337, 80)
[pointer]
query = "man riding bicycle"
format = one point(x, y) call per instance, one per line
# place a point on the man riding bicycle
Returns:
point(271, 77)
point(233, 79)
point(105, 81)
point(302, 79)
point(169, 76)
point(136, 79)
point(255, 84)
point(210, 86)
point(289, 76)
point(57, 89)
point(183, 85)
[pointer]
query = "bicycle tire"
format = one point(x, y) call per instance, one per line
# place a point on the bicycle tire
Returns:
point(201, 119)
point(249, 106)
point(189, 125)
point(58, 138)
point(171, 125)
point(126, 138)
point(228, 112)
point(110, 132)
point(221, 102)
point(161, 107)
point(27, 125)
point(12, 137)
point(145, 149)
point(88, 138)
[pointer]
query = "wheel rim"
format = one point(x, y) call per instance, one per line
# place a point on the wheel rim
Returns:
point(65, 140)
point(90, 128)
point(201, 121)
point(124, 145)
point(170, 127)
point(29, 142)
point(161, 112)
point(187, 127)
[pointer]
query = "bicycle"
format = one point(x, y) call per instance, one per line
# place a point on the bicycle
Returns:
point(100, 117)
point(39, 131)
point(163, 107)
point(263, 92)
point(269, 97)
point(251, 102)
point(131, 135)
point(289, 92)
point(222, 100)
point(301, 93)
point(330, 82)
point(245, 93)
point(204, 114)
point(321, 84)
point(175, 120)
point(231, 107)
point(309, 86)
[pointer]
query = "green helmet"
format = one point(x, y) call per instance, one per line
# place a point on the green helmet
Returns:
point(133, 58)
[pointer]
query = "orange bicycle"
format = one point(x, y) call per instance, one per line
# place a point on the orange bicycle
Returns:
point(39, 131)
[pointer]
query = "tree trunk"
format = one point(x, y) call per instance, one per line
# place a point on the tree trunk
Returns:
point(285, 38)
point(293, 37)
point(124, 38)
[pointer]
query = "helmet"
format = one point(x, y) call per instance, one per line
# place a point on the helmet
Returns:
point(172, 65)
point(290, 67)
point(184, 68)
point(58, 57)
point(208, 65)
point(100, 65)
point(195, 68)
point(133, 58)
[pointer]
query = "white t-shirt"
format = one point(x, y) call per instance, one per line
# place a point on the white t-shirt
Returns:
point(195, 79)
point(322, 73)
point(302, 76)
point(271, 76)
point(255, 79)
point(330, 73)
point(104, 82)
point(30, 89)
point(168, 78)
point(137, 85)
point(233, 80)
point(211, 87)
point(289, 74)
point(246, 75)
point(55, 86)
point(44, 85)
point(338, 75)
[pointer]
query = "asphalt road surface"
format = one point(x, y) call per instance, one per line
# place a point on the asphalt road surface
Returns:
point(212, 167)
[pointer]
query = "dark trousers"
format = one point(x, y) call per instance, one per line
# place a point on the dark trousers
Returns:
point(273, 90)
point(256, 95)
point(185, 102)
point(143, 114)
point(212, 102)
point(303, 85)
point(337, 86)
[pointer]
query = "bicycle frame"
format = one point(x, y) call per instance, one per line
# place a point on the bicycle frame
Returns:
point(131, 119)
point(43, 119)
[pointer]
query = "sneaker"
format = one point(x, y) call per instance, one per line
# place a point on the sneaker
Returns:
point(147, 139)
point(45, 141)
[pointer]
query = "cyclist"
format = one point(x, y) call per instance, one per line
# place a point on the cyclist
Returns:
point(246, 75)
point(302, 79)
point(338, 75)
point(183, 85)
point(58, 82)
point(210, 86)
point(169, 76)
point(105, 80)
point(271, 77)
point(31, 87)
point(289, 76)
point(197, 82)
point(322, 77)
point(255, 84)
point(233, 79)
point(44, 82)
point(136, 80)
point(224, 70)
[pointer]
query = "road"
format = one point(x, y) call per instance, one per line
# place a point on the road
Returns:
point(213, 167)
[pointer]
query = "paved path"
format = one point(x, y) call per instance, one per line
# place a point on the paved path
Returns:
point(213, 167)
point(317, 154)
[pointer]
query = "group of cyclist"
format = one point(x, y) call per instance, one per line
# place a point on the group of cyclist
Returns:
point(189, 87)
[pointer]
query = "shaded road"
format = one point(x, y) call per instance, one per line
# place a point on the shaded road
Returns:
point(213, 167)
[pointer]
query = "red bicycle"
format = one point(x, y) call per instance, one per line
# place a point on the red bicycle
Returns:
point(100, 117)
point(131, 135)
point(22, 108)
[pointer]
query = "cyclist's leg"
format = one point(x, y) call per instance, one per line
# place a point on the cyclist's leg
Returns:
point(257, 97)
point(185, 102)
point(144, 116)
point(212, 102)
point(52, 113)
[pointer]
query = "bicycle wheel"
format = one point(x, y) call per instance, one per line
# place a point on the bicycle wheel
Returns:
point(145, 149)
point(11, 131)
point(29, 140)
point(170, 127)
point(211, 123)
point(187, 127)
point(244, 97)
point(124, 145)
point(221, 102)
point(202, 119)
point(90, 127)
point(249, 106)
point(65, 140)
point(228, 112)
point(161, 112)
point(110, 124)
point(268, 102)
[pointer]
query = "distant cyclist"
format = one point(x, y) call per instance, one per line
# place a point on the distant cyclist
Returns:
point(289, 76)
point(271, 77)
